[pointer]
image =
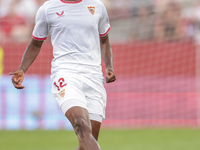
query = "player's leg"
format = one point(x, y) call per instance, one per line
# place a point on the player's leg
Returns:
point(96, 99)
point(80, 121)
point(95, 130)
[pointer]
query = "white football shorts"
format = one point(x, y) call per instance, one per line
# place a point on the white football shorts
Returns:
point(86, 91)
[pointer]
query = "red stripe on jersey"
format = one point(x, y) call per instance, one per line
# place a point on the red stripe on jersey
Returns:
point(71, 2)
point(105, 33)
point(39, 39)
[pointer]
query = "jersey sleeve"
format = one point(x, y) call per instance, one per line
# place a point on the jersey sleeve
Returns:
point(40, 30)
point(104, 24)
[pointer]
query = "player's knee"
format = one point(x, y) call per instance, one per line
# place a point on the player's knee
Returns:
point(81, 127)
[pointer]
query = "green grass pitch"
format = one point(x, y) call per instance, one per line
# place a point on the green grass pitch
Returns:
point(133, 139)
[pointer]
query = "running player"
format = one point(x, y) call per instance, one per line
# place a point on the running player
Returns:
point(79, 35)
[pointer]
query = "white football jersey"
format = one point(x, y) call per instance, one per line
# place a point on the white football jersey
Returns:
point(74, 28)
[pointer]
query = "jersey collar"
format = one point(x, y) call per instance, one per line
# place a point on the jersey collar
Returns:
point(71, 2)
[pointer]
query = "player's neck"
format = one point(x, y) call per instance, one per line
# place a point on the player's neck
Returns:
point(70, 0)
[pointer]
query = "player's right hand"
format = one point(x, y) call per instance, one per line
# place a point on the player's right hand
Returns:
point(17, 79)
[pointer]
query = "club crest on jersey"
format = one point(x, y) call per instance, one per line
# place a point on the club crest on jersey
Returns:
point(91, 9)
point(62, 93)
point(60, 14)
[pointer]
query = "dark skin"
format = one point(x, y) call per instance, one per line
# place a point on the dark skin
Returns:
point(87, 130)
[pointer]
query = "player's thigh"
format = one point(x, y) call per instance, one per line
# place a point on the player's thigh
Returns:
point(95, 128)
point(78, 116)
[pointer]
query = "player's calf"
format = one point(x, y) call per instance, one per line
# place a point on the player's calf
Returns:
point(84, 133)
point(80, 121)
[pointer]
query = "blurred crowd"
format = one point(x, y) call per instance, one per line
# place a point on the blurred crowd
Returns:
point(131, 20)
point(17, 19)
point(154, 20)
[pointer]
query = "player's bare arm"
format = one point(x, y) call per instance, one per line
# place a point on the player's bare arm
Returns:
point(107, 56)
point(29, 56)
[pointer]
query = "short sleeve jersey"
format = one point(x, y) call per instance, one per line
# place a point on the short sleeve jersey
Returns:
point(74, 28)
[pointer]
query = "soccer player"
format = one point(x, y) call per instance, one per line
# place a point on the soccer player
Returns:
point(79, 35)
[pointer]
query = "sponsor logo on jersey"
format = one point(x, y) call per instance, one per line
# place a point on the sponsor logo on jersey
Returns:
point(60, 14)
point(91, 9)
point(62, 93)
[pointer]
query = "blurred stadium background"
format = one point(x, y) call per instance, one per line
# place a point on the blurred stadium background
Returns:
point(156, 46)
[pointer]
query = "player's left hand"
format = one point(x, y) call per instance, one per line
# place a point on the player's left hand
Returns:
point(110, 75)
point(17, 79)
